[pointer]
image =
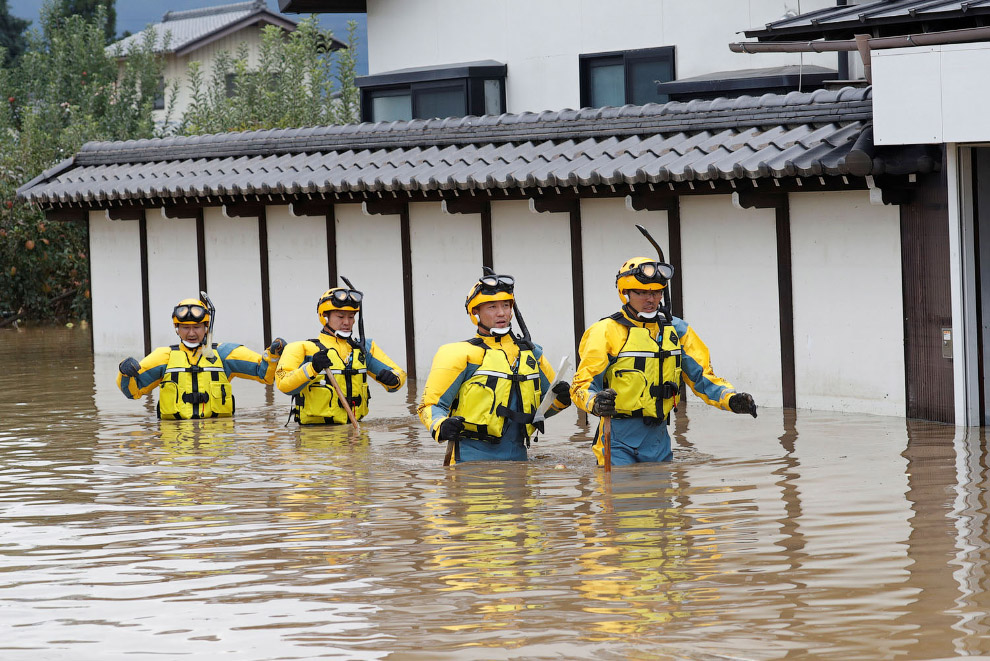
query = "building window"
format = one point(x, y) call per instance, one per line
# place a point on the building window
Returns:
point(476, 88)
point(159, 102)
point(615, 79)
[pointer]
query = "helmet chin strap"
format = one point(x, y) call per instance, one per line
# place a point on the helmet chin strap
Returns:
point(194, 345)
point(495, 332)
point(641, 316)
point(344, 335)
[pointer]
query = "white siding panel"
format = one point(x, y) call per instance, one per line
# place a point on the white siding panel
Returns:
point(536, 250)
point(173, 271)
point(848, 311)
point(730, 291)
point(369, 254)
point(233, 274)
point(609, 237)
point(540, 40)
point(297, 271)
point(115, 286)
point(446, 261)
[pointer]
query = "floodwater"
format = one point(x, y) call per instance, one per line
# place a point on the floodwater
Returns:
point(793, 536)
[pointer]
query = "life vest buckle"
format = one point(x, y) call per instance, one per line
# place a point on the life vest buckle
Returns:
point(195, 398)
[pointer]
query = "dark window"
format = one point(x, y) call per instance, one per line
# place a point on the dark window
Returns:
point(476, 88)
point(615, 79)
point(159, 102)
point(230, 83)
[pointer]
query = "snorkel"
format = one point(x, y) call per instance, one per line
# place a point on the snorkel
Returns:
point(359, 343)
point(208, 347)
point(665, 298)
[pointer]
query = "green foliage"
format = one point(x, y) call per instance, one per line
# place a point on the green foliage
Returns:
point(11, 33)
point(90, 10)
point(296, 81)
point(66, 90)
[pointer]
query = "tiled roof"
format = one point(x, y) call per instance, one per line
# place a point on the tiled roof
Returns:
point(800, 134)
point(886, 16)
point(183, 30)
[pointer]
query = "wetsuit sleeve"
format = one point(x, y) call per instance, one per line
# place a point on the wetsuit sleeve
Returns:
point(447, 373)
point(697, 369)
point(378, 361)
point(152, 371)
point(595, 358)
point(239, 361)
point(294, 371)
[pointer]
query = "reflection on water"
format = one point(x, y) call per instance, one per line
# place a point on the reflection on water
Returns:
point(791, 536)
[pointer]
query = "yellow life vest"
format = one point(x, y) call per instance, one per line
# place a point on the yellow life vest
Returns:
point(646, 374)
point(318, 402)
point(194, 391)
point(483, 400)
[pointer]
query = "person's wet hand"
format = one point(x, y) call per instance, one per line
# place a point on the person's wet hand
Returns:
point(388, 378)
point(562, 390)
point(130, 367)
point(603, 405)
point(451, 428)
point(742, 402)
point(321, 361)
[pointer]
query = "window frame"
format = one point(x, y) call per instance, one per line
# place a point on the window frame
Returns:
point(469, 79)
point(586, 61)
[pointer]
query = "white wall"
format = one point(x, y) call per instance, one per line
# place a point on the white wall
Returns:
point(233, 275)
point(536, 250)
point(446, 262)
point(730, 291)
point(115, 286)
point(608, 238)
point(946, 105)
point(173, 271)
point(848, 311)
point(369, 254)
point(540, 40)
point(297, 271)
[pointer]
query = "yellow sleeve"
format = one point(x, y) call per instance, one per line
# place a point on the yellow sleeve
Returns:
point(443, 383)
point(595, 352)
point(294, 371)
point(384, 362)
point(152, 371)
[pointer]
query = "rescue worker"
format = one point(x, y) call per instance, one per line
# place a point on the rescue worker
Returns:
point(632, 363)
point(195, 383)
point(481, 393)
point(302, 370)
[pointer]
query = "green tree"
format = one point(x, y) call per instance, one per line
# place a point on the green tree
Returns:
point(89, 9)
point(296, 81)
point(12, 38)
point(66, 90)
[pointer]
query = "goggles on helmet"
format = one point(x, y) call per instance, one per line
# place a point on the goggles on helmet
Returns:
point(344, 298)
point(492, 284)
point(649, 272)
point(189, 314)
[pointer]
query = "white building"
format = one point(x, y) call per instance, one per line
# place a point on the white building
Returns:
point(789, 229)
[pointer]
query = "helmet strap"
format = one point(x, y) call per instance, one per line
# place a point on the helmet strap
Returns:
point(194, 345)
point(632, 313)
point(494, 332)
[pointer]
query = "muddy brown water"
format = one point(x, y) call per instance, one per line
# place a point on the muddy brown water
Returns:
point(796, 535)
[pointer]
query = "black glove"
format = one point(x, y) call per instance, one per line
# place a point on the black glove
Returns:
point(563, 392)
point(388, 378)
point(277, 347)
point(450, 429)
point(130, 367)
point(321, 361)
point(742, 402)
point(603, 405)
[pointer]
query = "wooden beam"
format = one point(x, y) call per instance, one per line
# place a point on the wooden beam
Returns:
point(553, 204)
point(651, 201)
point(465, 205)
point(759, 200)
point(385, 207)
point(310, 207)
point(126, 213)
point(244, 210)
point(67, 215)
point(187, 211)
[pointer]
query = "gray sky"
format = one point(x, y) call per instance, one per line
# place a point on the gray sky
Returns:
point(134, 15)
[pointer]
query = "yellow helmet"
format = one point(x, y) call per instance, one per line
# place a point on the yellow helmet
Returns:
point(489, 288)
point(338, 298)
point(642, 273)
point(190, 311)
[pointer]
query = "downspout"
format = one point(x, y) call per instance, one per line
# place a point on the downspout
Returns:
point(843, 70)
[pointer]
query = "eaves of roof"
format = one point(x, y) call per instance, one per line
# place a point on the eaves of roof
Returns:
point(261, 18)
point(879, 18)
point(825, 133)
point(323, 6)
